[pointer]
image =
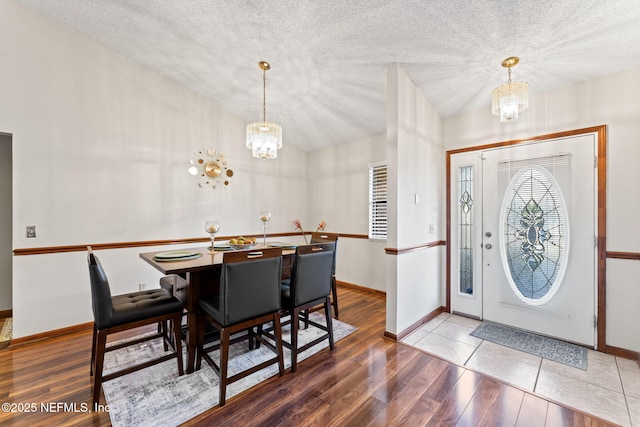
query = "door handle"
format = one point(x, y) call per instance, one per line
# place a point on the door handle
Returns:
point(488, 234)
point(487, 246)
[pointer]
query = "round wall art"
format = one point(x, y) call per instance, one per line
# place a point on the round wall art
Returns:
point(211, 167)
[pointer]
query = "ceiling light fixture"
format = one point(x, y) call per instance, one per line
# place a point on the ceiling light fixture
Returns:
point(510, 98)
point(264, 138)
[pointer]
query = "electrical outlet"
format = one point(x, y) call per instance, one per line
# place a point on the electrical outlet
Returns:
point(142, 286)
point(31, 231)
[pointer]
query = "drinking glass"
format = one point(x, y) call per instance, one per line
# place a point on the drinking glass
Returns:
point(212, 227)
point(265, 217)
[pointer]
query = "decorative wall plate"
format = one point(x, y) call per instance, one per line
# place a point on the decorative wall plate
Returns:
point(211, 168)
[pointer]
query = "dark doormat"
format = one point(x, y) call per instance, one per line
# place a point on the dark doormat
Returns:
point(549, 348)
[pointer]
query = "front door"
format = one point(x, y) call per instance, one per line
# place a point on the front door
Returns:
point(539, 256)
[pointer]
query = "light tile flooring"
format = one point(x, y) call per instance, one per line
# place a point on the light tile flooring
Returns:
point(608, 389)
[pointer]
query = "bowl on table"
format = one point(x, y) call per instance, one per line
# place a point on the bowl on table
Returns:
point(238, 247)
point(242, 243)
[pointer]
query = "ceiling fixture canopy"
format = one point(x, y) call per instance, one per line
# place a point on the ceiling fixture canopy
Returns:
point(264, 138)
point(510, 98)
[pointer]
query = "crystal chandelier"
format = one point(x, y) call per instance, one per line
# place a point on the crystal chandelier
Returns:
point(510, 98)
point(264, 138)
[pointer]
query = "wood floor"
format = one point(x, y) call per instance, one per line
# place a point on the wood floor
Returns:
point(365, 381)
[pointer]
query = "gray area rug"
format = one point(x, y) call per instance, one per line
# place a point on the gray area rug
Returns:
point(157, 396)
point(6, 332)
point(549, 348)
point(7, 329)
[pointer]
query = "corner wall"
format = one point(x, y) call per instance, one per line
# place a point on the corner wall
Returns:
point(339, 194)
point(100, 149)
point(416, 202)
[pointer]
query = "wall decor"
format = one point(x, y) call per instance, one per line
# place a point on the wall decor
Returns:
point(211, 167)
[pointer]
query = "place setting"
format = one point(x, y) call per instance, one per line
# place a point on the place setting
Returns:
point(176, 256)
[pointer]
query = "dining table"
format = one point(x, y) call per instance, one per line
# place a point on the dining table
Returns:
point(201, 267)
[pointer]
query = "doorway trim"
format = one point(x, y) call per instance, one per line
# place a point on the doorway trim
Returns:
point(601, 190)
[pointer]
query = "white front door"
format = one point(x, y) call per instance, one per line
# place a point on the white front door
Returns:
point(538, 251)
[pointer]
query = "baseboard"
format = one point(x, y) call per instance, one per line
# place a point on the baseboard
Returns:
point(6, 313)
point(51, 334)
point(435, 313)
point(623, 352)
point(414, 326)
point(360, 288)
point(388, 335)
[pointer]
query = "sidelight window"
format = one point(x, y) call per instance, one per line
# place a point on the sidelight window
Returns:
point(465, 201)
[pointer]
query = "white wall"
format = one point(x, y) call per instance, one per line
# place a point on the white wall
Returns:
point(5, 222)
point(339, 195)
point(100, 147)
point(416, 168)
point(612, 101)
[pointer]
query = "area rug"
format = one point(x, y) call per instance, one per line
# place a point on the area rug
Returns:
point(158, 396)
point(548, 348)
point(6, 332)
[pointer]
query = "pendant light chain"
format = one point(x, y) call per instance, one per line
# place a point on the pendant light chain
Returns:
point(264, 95)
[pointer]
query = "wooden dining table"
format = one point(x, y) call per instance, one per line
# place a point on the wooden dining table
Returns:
point(202, 276)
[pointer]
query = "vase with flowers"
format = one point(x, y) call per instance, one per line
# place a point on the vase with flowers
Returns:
point(298, 225)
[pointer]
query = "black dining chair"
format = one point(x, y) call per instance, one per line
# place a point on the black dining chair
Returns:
point(309, 287)
point(124, 312)
point(322, 237)
point(248, 297)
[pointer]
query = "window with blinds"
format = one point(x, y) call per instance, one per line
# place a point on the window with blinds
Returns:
point(378, 201)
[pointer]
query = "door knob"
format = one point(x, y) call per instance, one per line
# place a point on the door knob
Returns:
point(487, 246)
point(488, 234)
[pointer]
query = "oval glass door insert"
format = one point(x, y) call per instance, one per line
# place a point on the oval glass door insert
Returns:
point(534, 235)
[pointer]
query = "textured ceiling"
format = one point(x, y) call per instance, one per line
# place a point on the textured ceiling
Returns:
point(327, 82)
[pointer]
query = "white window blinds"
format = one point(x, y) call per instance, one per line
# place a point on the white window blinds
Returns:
point(378, 201)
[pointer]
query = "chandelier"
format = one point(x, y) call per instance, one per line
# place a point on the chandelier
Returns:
point(264, 138)
point(510, 98)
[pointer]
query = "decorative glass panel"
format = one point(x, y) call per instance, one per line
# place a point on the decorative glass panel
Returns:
point(534, 235)
point(466, 225)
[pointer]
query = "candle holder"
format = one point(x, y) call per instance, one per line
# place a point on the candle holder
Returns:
point(265, 217)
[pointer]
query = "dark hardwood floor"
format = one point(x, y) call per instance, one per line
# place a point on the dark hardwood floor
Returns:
point(366, 381)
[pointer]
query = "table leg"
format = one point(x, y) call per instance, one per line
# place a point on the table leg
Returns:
point(199, 284)
point(192, 340)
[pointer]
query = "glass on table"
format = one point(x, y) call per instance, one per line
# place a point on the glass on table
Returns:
point(212, 227)
point(265, 217)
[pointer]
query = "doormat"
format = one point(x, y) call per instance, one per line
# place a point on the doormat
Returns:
point(549, 348)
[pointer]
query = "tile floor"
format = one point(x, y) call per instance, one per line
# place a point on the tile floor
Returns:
point(608, 389)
